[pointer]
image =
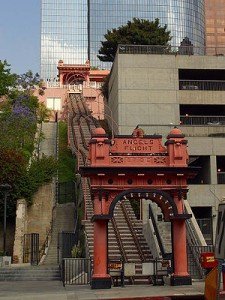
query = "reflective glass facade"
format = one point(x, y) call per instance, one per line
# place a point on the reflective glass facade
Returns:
point(63, 34)
point(185, 18)
point(64, 26)
point(215, 26)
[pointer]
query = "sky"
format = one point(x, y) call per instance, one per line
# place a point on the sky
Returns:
point(20, 34)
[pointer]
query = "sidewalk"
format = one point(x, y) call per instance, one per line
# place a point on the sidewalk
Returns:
point(53, 290)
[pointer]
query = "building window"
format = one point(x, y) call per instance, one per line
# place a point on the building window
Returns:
point(203, 175)
point(54, 103)
point(220, 161)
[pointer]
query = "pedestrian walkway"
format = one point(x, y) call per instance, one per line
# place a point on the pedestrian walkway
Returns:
point(52, 290)
point(48, 143)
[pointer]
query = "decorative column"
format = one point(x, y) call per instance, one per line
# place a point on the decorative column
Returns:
point(100, 278)
point(179, 240)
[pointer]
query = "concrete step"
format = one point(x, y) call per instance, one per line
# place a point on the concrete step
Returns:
point(30, 273)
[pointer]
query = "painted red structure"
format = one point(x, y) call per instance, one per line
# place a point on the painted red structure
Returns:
point(76, 74)
point(138, 167)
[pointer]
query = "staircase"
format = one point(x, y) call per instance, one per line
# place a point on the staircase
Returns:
point(62, 221)
point(125, 238)
point(28, 273)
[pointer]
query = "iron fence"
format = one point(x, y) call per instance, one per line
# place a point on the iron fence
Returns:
point(66, 192)
point(76, 271)
point(202, 120)
point(31, 248)
point(66, 242)
point(194, 265)
point(173, 50)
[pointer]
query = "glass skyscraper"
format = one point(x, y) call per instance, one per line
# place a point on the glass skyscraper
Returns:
point(63, 34)
point(72, 29)
point(215, 24)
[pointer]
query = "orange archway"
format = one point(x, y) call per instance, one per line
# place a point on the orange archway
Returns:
point(138, 166)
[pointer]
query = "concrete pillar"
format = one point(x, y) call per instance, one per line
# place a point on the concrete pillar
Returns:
point(179, 240)
point(213, 169)
point(20, 230)
point(180, 275)
point(100, 278)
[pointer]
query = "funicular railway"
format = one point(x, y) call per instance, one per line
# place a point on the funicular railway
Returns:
point(126, 241)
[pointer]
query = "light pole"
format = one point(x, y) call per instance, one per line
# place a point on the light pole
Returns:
point(5, 188)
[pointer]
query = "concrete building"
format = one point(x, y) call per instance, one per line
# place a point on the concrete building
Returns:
point(72, 30)
point(158, 92)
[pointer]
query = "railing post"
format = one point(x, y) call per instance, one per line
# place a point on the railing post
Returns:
point(63, 272)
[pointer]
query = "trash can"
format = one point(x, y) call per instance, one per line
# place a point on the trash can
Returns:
point(208, 261)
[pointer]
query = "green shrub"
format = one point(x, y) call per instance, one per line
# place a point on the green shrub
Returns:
point(66, 161)
point(40, 172)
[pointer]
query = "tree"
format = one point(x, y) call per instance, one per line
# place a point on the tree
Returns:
point(105, 87)
point(7, 80)
point(43, 113)
point(135, 32)
point(28, 80)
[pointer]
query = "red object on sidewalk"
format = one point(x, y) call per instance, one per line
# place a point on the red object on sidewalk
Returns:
point(208, 260)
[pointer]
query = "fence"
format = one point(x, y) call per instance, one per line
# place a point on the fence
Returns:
point(202, 85)
point(202, 120)
point(76, 271)
point(173, 50)
point(66, 242)
point(66, 192)
point(196, 252)
point(31, 248)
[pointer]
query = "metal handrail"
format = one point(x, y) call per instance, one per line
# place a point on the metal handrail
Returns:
point(192, 242)
point(172, 50)
point(119, 241)
point(160, 243)
point(202, 85)
point(199, 80)
point(136, 241)
point(202, 120)
point(46, 243)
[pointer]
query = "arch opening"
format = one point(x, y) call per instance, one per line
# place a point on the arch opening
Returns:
point(162, 199)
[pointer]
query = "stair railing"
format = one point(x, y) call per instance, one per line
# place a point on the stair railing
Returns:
point(119, 241)
point(136, 241)
point(45, 245)
point(156, 231)
point(194, 247)
point(120, 244)
point(195, 239)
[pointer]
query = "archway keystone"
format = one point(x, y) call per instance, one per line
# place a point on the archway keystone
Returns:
point(138, 167)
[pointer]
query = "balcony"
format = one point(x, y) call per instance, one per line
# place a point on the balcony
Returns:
point(90, 84)
point(202, 85)
point(202, 120)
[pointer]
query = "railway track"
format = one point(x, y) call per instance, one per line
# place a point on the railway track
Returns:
point(126, 240)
